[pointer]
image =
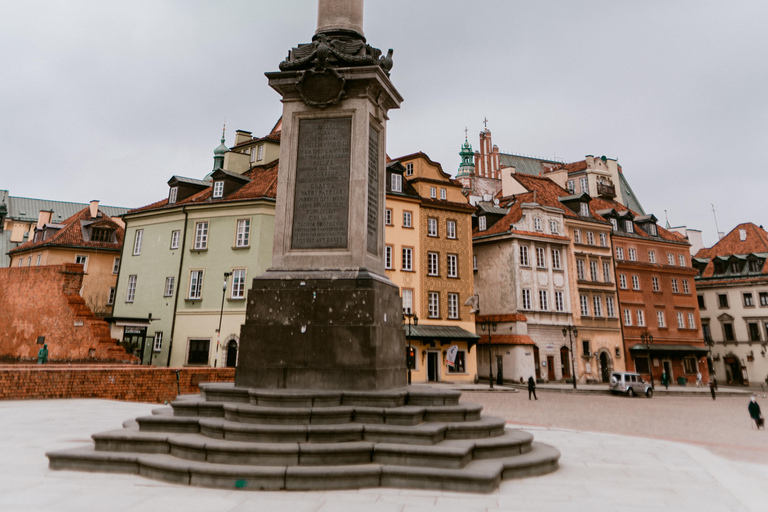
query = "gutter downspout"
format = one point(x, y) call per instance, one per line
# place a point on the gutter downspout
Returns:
point(178, 285)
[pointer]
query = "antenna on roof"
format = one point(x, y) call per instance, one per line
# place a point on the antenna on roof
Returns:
point(465, 133)
point(719, 234)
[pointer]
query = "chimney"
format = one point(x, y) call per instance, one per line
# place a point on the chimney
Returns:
point(94, 208)
point(43, 218)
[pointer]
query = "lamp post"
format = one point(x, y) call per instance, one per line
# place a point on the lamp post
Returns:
point(412, 320)
point(491, 326)
point(648, 339)
point(571, 332)
point(221, 314)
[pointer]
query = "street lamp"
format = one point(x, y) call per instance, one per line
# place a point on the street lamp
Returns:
point(221, 313)
point(491, 326)
point(571, 332)
point(648, 339)
point(412, 320)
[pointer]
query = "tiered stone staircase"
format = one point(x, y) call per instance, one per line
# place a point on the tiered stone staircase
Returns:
point(227, 437)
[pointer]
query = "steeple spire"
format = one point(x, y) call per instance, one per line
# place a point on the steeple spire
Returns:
point(218, 153)
point(467, 166)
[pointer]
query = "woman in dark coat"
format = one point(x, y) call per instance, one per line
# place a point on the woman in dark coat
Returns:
point(754, 412)
point(531, 388)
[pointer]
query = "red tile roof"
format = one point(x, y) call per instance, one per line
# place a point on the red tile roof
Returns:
point(756, 242)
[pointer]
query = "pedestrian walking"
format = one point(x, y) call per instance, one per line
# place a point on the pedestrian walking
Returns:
point(665, 379)
point(712, 387)
point(698, 380)
point(532, 388)
point(754, 412)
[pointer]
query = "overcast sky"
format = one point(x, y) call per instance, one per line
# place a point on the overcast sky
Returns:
point(107, 100)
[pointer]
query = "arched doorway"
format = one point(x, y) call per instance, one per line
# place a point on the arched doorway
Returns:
point(605, 367)
point(232, 354)
point(733, 373)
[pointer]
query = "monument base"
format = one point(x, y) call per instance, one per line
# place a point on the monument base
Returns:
point(322, 330)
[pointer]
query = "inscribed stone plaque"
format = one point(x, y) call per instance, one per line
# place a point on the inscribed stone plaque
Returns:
point(321, 200)
point(373, 190)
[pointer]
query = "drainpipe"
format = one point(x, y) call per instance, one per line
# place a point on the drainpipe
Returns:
point(178, 285)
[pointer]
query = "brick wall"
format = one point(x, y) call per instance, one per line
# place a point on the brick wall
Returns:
point(115, 382)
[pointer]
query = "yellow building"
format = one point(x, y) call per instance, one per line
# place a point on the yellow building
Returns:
point(428, 255)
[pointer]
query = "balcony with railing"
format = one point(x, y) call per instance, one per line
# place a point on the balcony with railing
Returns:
point(604, 190)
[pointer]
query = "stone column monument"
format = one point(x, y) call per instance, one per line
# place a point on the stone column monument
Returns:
point(325, 316)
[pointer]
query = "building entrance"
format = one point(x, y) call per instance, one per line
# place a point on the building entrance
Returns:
point(134, 339)
point(433, 373)
point(605, 370)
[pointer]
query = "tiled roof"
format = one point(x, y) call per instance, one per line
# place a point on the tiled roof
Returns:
point(27, 209)
point(603, 205)
point(756, 242)
point(262, 184)
point(440, 332)
point(528, 165)
point(71, 234)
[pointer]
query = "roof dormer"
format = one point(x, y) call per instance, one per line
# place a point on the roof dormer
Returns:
point(183, 188)
point(226, 183)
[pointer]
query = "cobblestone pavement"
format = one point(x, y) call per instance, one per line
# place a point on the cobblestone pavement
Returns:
point(723, 426)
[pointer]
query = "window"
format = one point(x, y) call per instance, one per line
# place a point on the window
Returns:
point(652, 229)
point(407, 301)
point(619, 253)
point(168, 291)
point(571, 185)
point(623, 281)
point(543, 300)
point(763, 298)
point(652, 256)
point(701, 302)
point(603, 240)
point(670, 258)
point(131, 293)
point(585, 348)
point(597, 305)
point(260, 153)
point(541, 257)
point(686, 288)
point(722, 299)
point(433, 192)
point(728, 331)
point(556, 259)
point(748, 300)
point(559, 305)
point(460, 364)
point(434, 305)
point(453, 306)
point(158, 344)
point(431, 227)
point(524, 256)
point(218, 189)
point(590, 238)
point(583, 184)
point(537, 223)
point(198, 351)
point(660, 319)
point(635, 283)
point(481, 223)
point(195, 285)
point(474, 262)
point(681, 259)
point(243, 233)
point(37, 262)
point(388, 257)
point(655, 281)
point(553, 227)
point(173, 194)
point(238, 284)
point(754, 331)
point(29, 262)
point(450, 229)
point(137, 242)
point(526, 299)
point(606, 272)
point(576, 236)
point(111, 298)
point(580, 272)
point(614, 224)
point(115, 264)
point(640, 318)
point(407, 259)
point(201, 236)
point(689, 365)
point(21, 262)
point(584, 305)
point(397, 183)
point(632, 254)
point(629, 227)
point(680, 321)
point(175, 239)
point(691, 321)
point(609, 307)
point(406, 219)
point(443, 194)
point(675, 288)
point(409, 169)
point(453, 265)
point(79, 259)
point(388, 216)
point(593, 271)
point(433, 267)
point(627, 317)
point(584, 209)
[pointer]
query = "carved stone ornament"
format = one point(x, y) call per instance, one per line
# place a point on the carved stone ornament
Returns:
point(320, 88)
point(336, 51)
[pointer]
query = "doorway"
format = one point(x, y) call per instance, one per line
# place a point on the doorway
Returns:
point(605, 369)
point(433, 366)
point(500, 370)
point(733, 371)
point(565, 367)
point(667, 365)
point(133, 341)
point(536, 363)
point(551, 368)
point(232, 354)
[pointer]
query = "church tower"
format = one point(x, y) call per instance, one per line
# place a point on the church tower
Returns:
point(467, 167)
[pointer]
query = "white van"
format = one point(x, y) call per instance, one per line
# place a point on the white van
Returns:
point(630, 384)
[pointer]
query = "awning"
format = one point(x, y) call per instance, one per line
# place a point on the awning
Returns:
point(443, 334)
point(660, 348)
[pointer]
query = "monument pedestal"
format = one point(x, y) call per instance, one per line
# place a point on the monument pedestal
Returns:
point(309, 330)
